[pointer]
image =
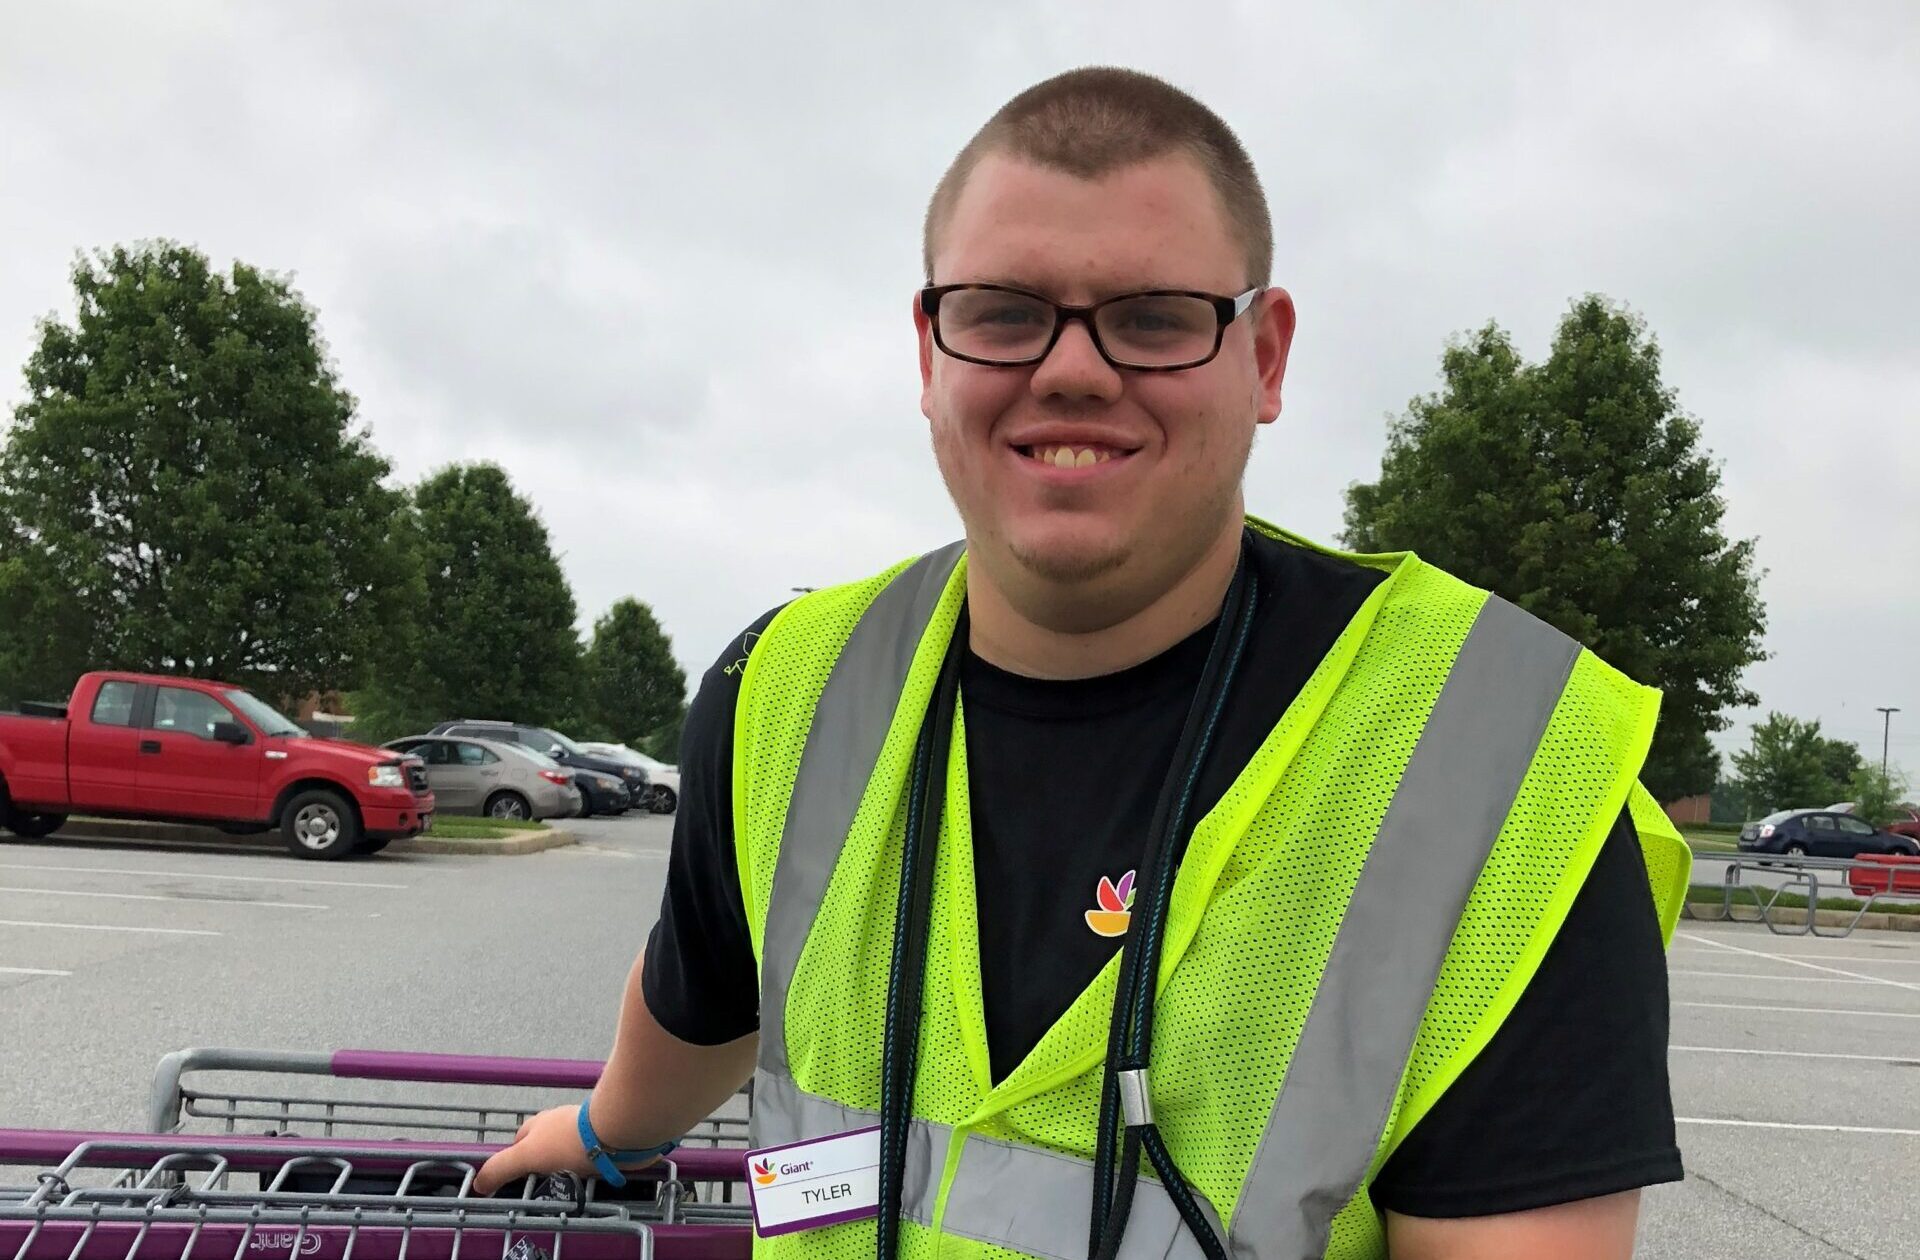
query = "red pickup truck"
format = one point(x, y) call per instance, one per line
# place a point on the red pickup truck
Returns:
point(184, 750)
point(1906, 822)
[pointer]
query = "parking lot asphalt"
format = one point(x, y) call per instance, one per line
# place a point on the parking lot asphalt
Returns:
point(112, 955)
point(1795, 1061)
point(1796, 1075)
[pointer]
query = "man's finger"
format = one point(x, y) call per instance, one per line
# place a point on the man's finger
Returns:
point(500, 1168)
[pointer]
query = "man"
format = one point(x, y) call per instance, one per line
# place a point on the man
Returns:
point(1258, 900)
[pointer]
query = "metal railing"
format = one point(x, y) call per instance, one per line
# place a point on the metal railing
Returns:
point(1800, 872)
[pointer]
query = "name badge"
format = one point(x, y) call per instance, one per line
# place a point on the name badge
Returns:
point(824, 1181)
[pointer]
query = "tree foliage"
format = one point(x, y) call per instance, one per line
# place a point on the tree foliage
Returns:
point(1578, 489)
point(493, 636)
point(1789, 764)
point(1841, 763)
point(1876, 795)
point(1730, 802)
point(183, 488)
point(634, 687)
point(44, 635)
point(664, 743)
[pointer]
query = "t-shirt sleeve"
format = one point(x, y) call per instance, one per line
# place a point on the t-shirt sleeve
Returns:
point(1570, 1099)
point(699, 977)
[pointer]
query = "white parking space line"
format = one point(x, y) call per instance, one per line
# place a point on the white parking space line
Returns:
point(1677, 951)
point(1792, 1054)
point(31, 971)
point(249, 879)
point(1756, 975)
point(203, 901)
point(110, 927)
point(1795, 962)
point(1808, 1128)
point(1798, 1010)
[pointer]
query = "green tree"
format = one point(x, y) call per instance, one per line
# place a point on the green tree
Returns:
point(494, 634)
point(1730, 802)
point(1786, 766)
point(44, 634)
point(1876, 796)
point(1840, 761)
point(634, 687)
point(183, 488)
point(664, 743)
point(1577, 488)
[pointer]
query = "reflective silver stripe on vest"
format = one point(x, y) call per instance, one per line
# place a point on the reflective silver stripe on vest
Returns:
point(1004, 1193)
point(843, 745)
point(1036, 1201)
point(1439, 828)
point(783, 1113)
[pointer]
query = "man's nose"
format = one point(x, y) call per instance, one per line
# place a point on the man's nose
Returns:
point(1074, 368)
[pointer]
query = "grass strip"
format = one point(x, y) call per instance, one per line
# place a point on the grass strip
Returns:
point(458, 828)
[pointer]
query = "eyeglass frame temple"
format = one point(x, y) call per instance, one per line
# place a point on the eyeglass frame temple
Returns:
point(1225, 309)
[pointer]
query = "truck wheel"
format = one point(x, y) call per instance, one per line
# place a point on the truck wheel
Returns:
point(373, 846)
point(320, 823)
point(509, 805)
point(34, 826)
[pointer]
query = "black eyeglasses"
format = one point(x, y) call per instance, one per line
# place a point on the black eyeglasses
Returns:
point(1165, 330)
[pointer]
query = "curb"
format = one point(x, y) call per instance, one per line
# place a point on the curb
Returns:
point(126, 829)
point(505, 846)
point(1875, 921)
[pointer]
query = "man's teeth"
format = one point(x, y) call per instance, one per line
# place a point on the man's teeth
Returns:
point(1072, 456)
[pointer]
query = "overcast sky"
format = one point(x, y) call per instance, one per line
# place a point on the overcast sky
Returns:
point(657, 260)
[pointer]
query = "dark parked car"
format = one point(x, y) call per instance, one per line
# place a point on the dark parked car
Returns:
point(591, 771)
point(1821, 833)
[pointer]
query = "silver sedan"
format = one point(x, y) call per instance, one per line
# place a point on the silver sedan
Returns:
point(499, 780)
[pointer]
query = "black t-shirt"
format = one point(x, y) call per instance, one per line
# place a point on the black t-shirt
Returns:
point(1569, 1100)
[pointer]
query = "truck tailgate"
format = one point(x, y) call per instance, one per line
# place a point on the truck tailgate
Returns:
point(33, 759)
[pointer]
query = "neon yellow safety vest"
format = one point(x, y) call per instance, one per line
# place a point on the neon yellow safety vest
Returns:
point(1348, 927)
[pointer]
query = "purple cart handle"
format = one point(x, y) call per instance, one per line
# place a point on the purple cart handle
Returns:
point(166, 1097)
point(466, 1069)
point(48, 1147)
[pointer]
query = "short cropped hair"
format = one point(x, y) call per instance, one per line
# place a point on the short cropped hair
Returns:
point(1096, 120)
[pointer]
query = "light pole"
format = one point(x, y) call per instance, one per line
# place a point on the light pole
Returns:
point(1886, 726)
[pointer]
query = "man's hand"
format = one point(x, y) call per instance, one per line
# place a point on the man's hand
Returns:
point(546, 1143)
point(654, 1087)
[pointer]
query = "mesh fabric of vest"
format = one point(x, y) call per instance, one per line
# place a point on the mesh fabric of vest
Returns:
point(1255, 908)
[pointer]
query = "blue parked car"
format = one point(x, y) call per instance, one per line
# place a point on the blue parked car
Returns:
point(1821, 833)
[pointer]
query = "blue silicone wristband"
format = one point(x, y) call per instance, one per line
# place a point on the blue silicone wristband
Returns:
point(603, 1159)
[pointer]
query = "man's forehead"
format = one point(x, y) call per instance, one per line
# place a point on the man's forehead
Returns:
point(1152, 225)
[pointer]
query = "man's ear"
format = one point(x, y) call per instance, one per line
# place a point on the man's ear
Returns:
point(1272, 339)
point(923, 328)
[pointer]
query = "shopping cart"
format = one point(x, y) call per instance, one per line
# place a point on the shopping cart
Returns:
point(329, 1176)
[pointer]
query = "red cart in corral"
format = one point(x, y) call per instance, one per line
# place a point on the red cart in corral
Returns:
point(357, 1155)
